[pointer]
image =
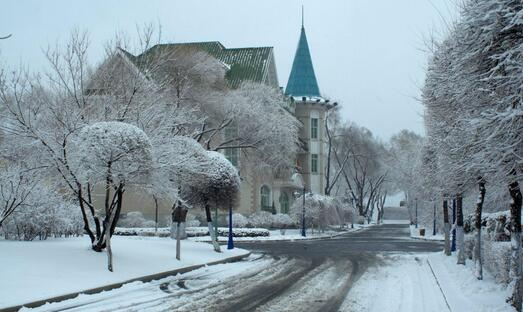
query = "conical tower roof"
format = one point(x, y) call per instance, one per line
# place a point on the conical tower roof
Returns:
point(302, 80)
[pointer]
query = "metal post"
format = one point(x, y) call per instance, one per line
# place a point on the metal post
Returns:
point(303, 215)
point(230, 243)
point(416, 203)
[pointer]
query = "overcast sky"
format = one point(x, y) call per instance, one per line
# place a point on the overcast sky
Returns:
point(368, 55)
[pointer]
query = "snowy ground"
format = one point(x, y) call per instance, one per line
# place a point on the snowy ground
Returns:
point(32, 271)
point(425, 282)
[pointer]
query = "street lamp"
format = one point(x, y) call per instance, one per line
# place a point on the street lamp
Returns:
point(298, 181)
point(230, 242)
point(303, 214)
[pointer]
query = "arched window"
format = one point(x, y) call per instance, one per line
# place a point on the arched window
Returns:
point(284, 203)
point(265, 196)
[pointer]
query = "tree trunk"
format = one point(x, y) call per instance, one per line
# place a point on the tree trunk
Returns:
point(183, 220)
point(459, 229)
point(109, 250)
point(446, 226)
point(177, 220)
point(178, 241)
point(107, 221)
point(210, 228)
point(515, 238)
point(155, 213)
point(477, 247)
point(453, 242)
point(434, 220)
point(87, 229)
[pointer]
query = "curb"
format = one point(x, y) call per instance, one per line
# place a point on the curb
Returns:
point(144, 279)
point(282, 240)
point(427, 240)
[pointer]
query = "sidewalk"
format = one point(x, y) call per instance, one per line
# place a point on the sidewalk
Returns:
point(62, 268)
point(425, 282)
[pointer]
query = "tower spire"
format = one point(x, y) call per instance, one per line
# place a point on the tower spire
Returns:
point(302, 18)
point(302, 80)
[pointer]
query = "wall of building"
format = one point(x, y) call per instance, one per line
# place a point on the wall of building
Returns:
point(304, 112)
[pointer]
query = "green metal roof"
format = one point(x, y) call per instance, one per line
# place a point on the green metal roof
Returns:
point(302, 80)
point(244, 63)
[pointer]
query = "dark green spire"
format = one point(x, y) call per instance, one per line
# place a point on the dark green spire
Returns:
point(302, 81)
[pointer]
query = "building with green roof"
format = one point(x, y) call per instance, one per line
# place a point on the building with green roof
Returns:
point(260, 189)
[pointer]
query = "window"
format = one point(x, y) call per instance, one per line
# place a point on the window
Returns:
point(284, 203)
point(232, 154)
point(314, 128)
point(314, 163)
point(265, 196)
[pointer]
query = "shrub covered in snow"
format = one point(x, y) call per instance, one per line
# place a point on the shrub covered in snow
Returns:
point(282, 221)
point(238, 232)
point(320, 211)
point(49, 218)
point(260, 219)
point(135, 219)
point(191, 232)
point(192, 221)
point(495, 243)
point(238, 220)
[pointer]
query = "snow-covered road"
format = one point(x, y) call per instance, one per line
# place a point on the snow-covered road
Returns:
point(284, 276)
point(260, 283)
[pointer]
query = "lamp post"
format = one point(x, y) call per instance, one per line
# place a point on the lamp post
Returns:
point(303, 214)
point(416, 205)
point(230, 243)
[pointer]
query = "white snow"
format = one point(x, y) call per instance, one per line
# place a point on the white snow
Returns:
point(407, 283)
point(38, 270)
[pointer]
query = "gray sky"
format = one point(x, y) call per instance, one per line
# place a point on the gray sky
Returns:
point(367, 54)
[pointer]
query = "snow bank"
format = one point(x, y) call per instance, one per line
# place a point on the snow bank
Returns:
point(37, 270)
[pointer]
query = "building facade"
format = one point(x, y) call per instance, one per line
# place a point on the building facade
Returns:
point(266, 189)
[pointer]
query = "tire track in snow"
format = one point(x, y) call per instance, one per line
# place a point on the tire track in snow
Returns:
point(318, 290)
point(245, 293)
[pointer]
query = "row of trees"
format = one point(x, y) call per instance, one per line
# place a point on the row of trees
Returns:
point(152, 123)
point(359, 166)
point(473, 116)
